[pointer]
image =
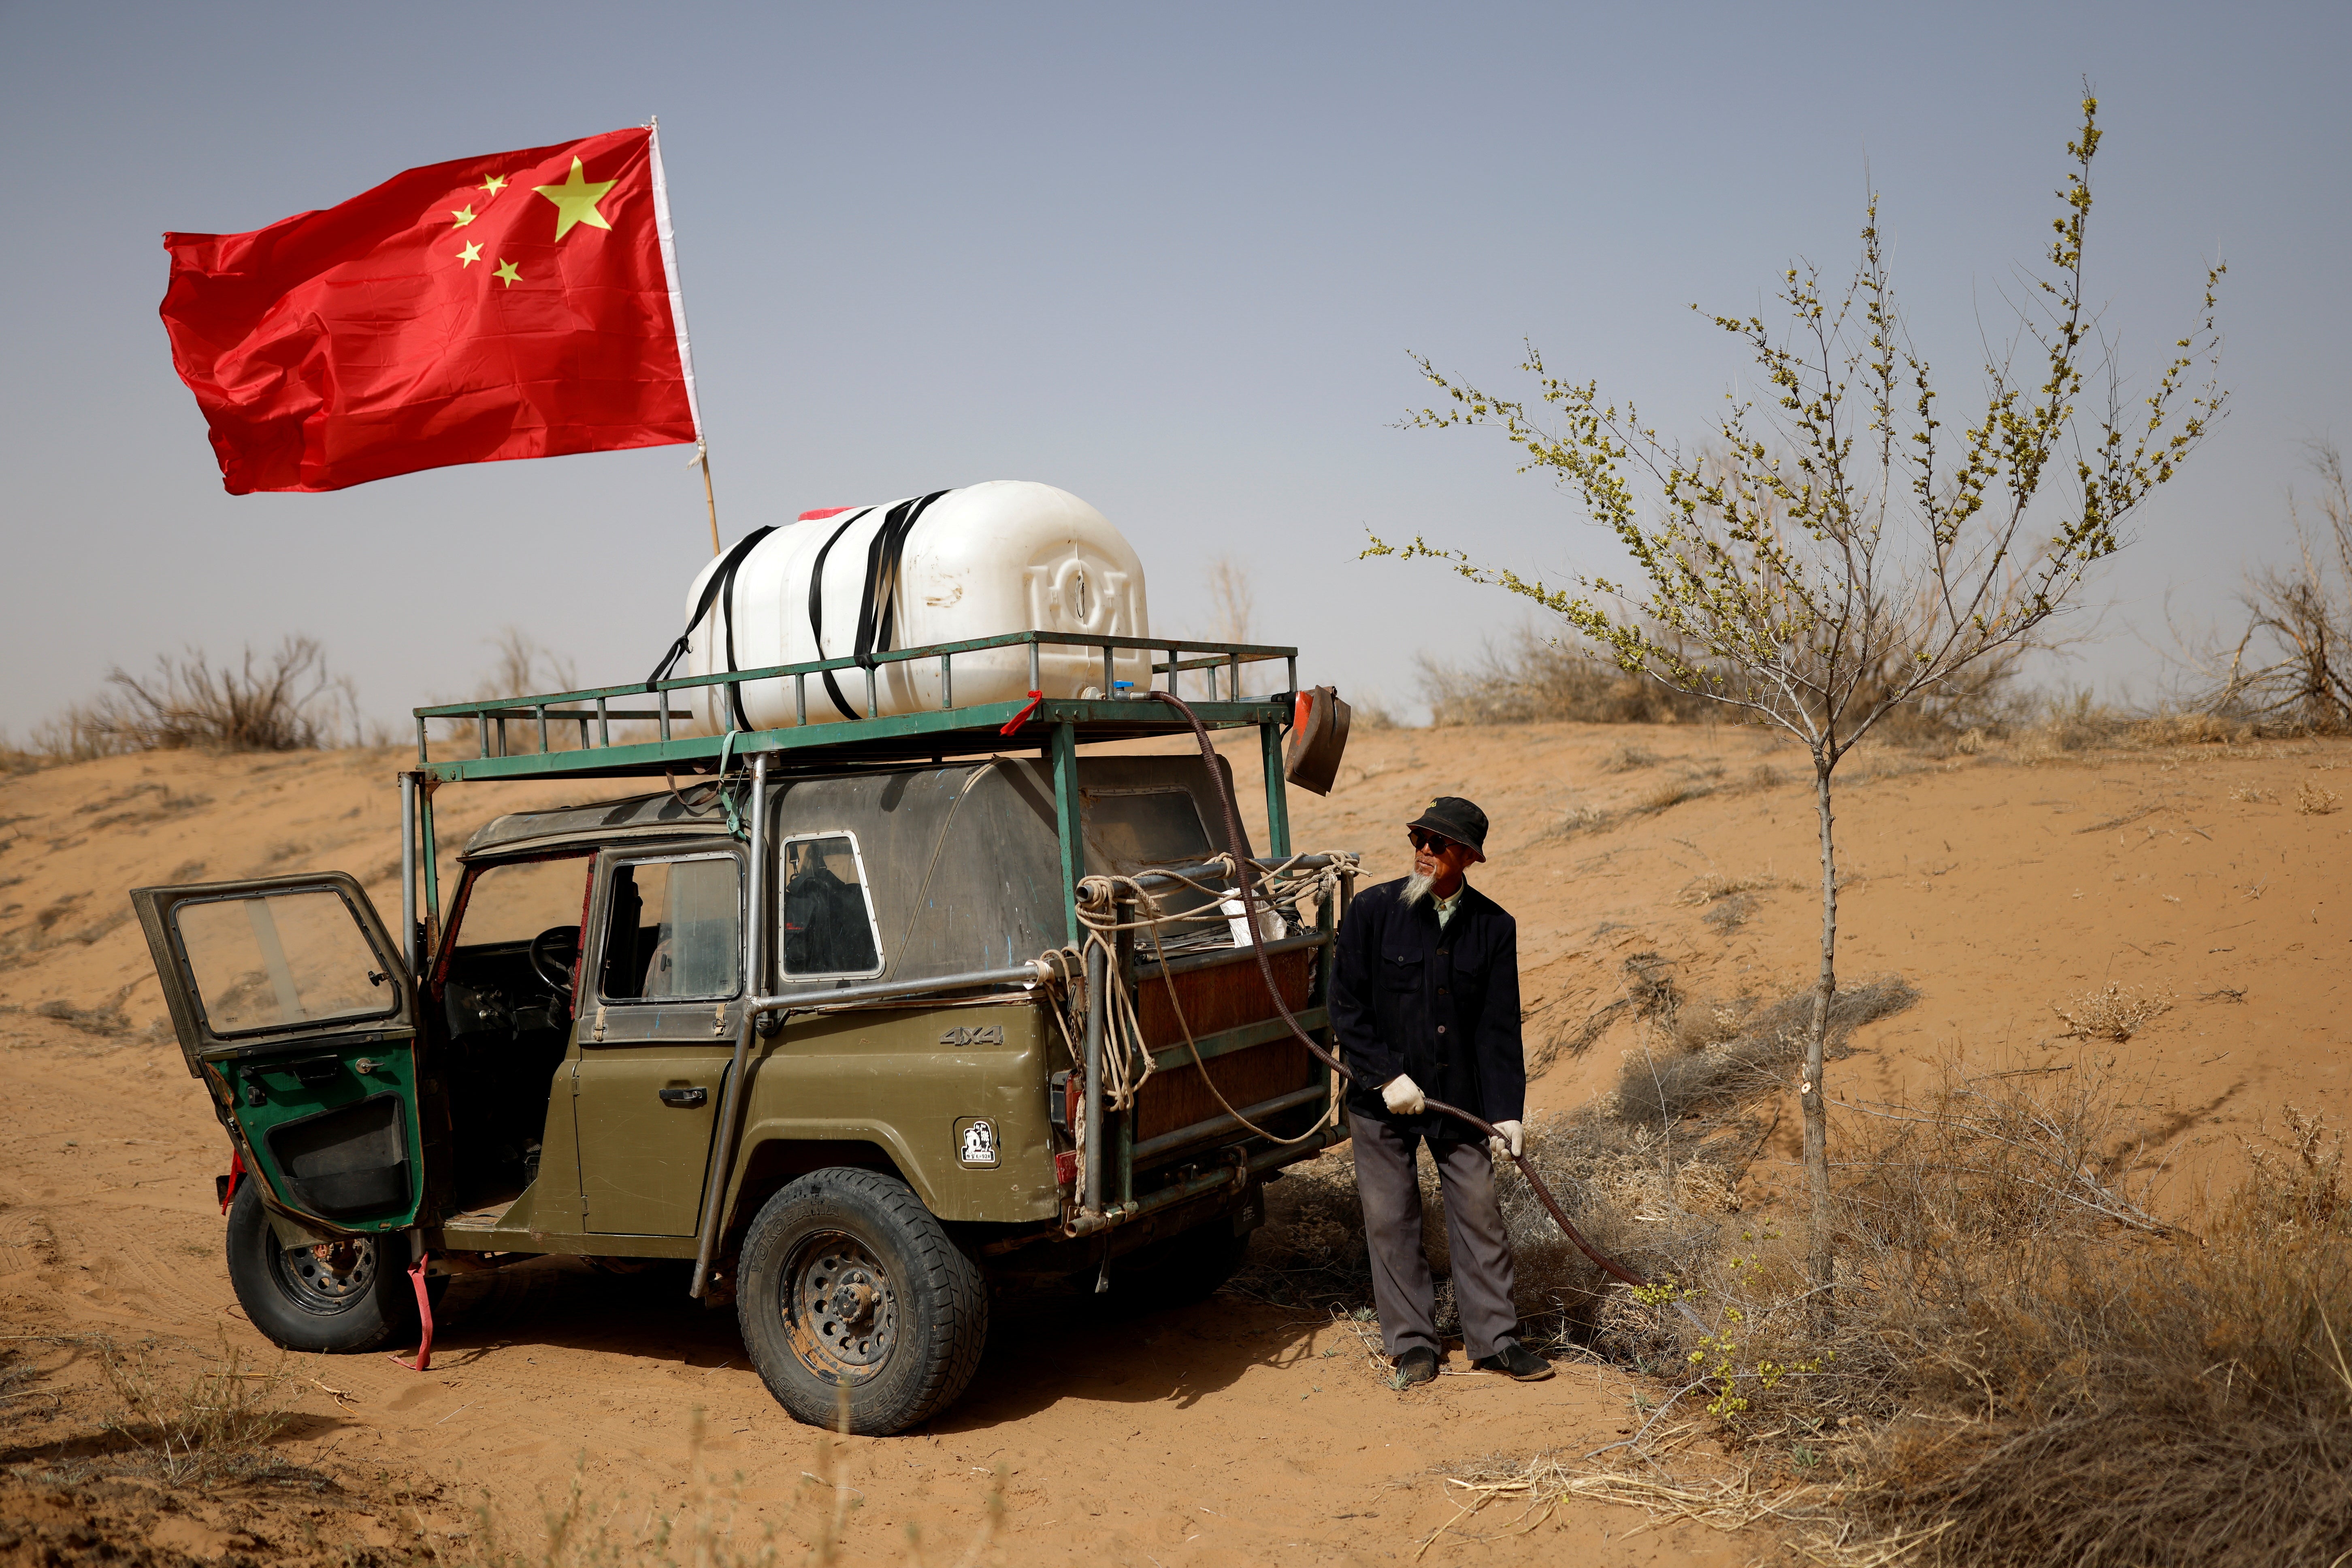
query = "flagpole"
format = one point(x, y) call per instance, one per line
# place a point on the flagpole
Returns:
point(702, 452)
point(678, 320)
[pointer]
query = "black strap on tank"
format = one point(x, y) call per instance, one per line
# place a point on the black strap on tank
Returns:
point(877, 616)
point(816, 610)
point(720, 582)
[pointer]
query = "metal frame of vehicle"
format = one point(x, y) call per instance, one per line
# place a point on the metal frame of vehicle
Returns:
point(1106, 1196)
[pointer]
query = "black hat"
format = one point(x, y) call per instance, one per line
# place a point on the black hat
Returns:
point(1451, 817)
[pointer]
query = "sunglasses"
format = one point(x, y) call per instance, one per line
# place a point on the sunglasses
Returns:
point(1421, 838)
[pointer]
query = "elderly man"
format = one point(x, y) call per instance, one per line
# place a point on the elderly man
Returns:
point(1427, 1004)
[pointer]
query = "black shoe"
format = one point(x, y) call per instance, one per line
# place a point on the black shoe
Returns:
point(1419, 1364)
point(1517, 1361)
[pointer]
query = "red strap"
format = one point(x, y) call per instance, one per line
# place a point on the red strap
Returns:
point(425, 1316)
point(235, 1170)
point(1036, 699)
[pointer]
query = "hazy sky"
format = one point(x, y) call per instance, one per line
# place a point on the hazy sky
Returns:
point(1171, 258)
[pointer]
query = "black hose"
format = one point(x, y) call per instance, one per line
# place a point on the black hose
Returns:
point(1242, 873)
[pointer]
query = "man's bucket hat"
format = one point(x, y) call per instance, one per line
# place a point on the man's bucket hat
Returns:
point(1451, 817)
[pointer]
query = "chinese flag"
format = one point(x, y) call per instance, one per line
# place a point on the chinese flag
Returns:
point(519, 305)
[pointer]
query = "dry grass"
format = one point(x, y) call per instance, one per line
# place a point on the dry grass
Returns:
point(1710, 887)
point(2024, 1365)
point(198, 1426)
point(2310, 800)
point(2076, 1394)
point(2025, 1360)
point(2116, 1013)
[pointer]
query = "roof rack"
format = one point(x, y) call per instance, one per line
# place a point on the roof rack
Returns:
point(1023, 724)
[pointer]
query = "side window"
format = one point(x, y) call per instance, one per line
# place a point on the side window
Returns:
point(676, 932)
point(267, 961)
point(829, 917)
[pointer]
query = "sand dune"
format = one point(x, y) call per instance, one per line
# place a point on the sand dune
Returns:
point(2003, 886)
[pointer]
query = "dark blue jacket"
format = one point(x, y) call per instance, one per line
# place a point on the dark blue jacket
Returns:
point(1442, 1006)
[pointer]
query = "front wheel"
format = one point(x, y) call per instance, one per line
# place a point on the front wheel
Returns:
point(847, 1282)
point(351, 1295)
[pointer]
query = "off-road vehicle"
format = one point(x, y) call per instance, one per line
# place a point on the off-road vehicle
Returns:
point(834, 1017)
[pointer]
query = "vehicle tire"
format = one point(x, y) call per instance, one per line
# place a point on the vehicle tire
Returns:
point(351, 1297)
point(1181, 1270)
point(847, 1281)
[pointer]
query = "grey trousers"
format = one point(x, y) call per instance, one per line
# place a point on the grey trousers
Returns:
point(1402, 1288)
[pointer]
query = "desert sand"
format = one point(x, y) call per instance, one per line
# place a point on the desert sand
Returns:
point(2002, 885)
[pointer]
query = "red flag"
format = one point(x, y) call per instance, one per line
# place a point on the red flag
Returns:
point(519, 305)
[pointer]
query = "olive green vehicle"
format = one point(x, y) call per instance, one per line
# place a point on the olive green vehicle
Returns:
point(816, 1020)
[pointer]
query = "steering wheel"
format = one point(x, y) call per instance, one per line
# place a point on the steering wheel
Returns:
point(553, 952)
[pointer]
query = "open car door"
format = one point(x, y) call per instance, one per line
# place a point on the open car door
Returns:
point(292, 1004)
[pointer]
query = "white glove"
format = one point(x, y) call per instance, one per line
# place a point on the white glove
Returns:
point(1508, 1141)
point(1403, 1097)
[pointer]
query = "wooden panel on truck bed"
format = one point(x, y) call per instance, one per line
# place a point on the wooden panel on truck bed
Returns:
point(1177, 1098)
point(1223, 997)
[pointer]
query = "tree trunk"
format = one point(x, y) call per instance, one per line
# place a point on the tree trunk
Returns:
point(1820, 1261)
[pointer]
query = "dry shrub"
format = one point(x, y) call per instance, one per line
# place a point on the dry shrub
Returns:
point(2070, 722)
point(2074, 1396)
point(1233, 604)
point(2254, 796)
point(2020, 1364)
point(1624, 758)
point(2286, 669)
point(2313, 801)
point(1650, 993)
point(286, 701)
point(1711, 886)
point(1532, 678)
point(1661, 798)
point(1741, 1051)
point(2117, 1013)
point(2188, 729)
point(201, 1424)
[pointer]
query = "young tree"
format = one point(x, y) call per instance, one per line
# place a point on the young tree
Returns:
point(1837, 553)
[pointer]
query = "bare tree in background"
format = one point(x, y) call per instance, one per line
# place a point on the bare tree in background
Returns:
point(1232, 605)
point(2293, 661)
point(522, 666)
point(1841, 552)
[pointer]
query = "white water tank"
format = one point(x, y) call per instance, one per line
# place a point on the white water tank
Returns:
point(1008, 555)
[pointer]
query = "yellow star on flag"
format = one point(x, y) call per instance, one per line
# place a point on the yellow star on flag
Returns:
point(494, 183)
point(507, 273)
point(470, 255)
point(576, 200)
point(463, 216)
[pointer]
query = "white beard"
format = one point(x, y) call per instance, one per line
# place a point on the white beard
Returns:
point(1417, 888)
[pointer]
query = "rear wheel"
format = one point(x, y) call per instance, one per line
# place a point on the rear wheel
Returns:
point(351, 1295)
point(847, 1282)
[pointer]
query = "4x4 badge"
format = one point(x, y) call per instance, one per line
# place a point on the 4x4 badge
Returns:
point(976, 1141)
